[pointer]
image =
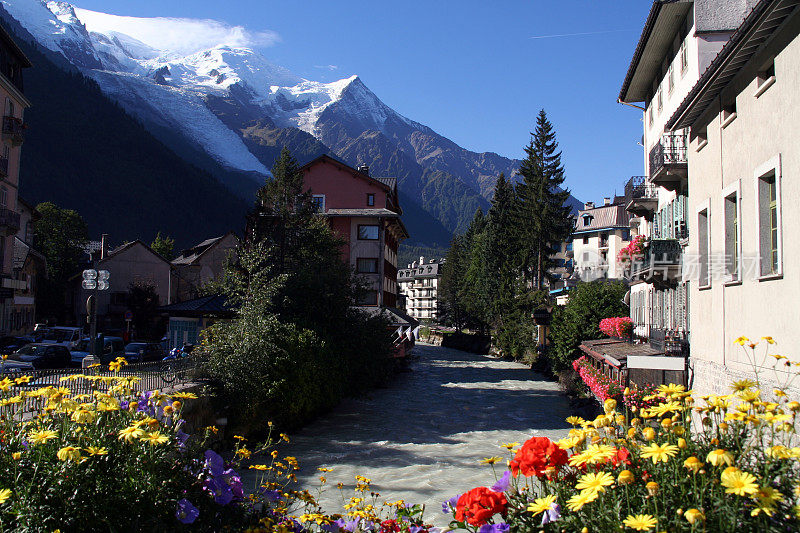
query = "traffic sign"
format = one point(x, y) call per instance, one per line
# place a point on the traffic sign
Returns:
point(128, 315)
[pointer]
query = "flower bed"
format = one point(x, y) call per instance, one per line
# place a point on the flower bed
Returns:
point(602, 386)
point(651, 469)
point(620, 327)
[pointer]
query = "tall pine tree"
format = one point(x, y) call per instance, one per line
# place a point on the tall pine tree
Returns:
point(501, 256)
point(543, 219)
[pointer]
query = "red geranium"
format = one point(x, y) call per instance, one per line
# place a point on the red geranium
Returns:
point(621, 457)
point(537, 455)
point(480, 504)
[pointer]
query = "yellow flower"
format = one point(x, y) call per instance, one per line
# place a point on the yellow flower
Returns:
point(693, 515)
point(83, 416)
point(672, 388)
point(5, 494)
point(640, 522)
point(155, 438)
point(766, 498)
point(649, 433)
point(490, 460)
point(739, 483)
point(592, 455)
point(259, 467)
point(509, 445)
point(595, 481)
point(652, 488)
point(658, 452)
point(6, 384)
point(718, 457)
point(625, 477)
point(69, 453)
point(770, 340)
point(793, 406)
point(40, 437)
point(22, 379)
point(742, 385)
point(574, 420)
point(185, 396)
point(741, 341)
point(609, 405)
point(682, 443)
point(541, 505)
point(244, 452)
point(577, 502)
point(93, 450)
point(16, 456)
point(567, 443)
point(130, 434)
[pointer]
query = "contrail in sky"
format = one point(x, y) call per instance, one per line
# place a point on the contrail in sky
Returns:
point(576, 34)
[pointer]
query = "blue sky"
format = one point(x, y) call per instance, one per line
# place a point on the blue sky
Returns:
point(477, 72)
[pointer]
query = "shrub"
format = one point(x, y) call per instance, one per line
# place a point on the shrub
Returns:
point(602, 386)
point(618, 326)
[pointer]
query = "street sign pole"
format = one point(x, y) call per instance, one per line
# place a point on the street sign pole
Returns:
point(94, 281)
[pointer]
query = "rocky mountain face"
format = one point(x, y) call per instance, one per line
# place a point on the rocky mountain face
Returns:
point(229, 111)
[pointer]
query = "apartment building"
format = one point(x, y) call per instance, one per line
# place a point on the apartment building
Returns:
point(365, 212)
point(201, 263)
point(743, 115)
point(601, 231)
point(28, 267)
point(679, 41)
point(12, 135)
point(419, 284)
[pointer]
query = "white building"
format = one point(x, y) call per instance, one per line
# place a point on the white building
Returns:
point(600, 233)
point(419, 284)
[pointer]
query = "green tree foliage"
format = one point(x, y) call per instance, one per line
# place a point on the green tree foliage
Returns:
point(164, 246)
point(60, 236)
point(543, 218)
point(578, 321)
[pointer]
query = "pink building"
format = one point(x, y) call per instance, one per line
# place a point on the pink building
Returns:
point(12, 61)
point(365, 212)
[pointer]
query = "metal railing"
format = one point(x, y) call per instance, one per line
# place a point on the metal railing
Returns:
point(4, 166)
point(670, 150)
point(658, 253)
point(14, 127)
point(639, 187)
point(9, 218)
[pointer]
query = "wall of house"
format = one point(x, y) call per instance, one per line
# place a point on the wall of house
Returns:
point(593, 261)
point(342, 190)
point(768, 126)
point(367, 249)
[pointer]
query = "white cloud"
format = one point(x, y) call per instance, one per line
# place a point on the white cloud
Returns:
point(326, 67)
point(180, 35)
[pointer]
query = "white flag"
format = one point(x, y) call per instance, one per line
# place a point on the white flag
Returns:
point(416, 333)
point(399, 332)
point(410, 334)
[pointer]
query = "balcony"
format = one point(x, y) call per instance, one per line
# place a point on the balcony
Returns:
point(9, 221)
point(641, 197)
point(13, 130)
point(671, 222)
point(660, 262)
point(668, 163)
point(3, 166)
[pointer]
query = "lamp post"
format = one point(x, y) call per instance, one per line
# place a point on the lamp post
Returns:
point(93, 280)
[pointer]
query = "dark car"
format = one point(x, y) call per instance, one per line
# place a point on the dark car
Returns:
point(10, 344)
point(38, 356)
point(136, 352)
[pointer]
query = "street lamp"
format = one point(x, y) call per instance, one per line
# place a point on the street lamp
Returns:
point(93, 280)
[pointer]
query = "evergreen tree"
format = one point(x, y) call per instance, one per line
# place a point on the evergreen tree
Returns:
point(543, 219)
point(451, 309)
point(164, 246)
point(501, 251)
point(475, 292)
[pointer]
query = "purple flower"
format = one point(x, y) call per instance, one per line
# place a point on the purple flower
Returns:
point(234, 482)
point(219, 490)
point(502, 527)
point(349, 525)
point(186, 512)
point(214, 463)
point(552, 514)
point(271, 495)
point(449, 505)
point(415, 529)
point(503, 483)
point(181, 437)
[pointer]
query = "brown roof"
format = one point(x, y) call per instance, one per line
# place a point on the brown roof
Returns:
point(607, 216)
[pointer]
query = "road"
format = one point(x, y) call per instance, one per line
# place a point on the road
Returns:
point(422, 438)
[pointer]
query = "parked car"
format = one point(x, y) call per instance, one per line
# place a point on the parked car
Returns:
point(64, 336)
point(10, 344)
point(136, 352)
point(113, 347)
point(37, 356)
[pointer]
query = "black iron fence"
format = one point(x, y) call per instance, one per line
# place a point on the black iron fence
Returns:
point(670, 150)
point(639, 187)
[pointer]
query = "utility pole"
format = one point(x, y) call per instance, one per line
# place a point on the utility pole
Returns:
point(95, 281)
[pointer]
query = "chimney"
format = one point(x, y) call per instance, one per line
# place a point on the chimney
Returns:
point(414, 264)
point(421, 260)
point(364, 169)
point(607, 200)
point(588, 205)
point(103, 245)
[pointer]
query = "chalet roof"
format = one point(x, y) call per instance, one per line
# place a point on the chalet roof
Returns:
point(190, 255)
point(760, 24)
point(364, 212)
point(324, 158)
point(395, 316)
point(607, 216)
point(205, 305)
point(389, 182)
point(127, 246)
point(5, 37)
point(428, 270)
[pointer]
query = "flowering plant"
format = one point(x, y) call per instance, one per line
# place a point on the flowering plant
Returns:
point(602, 386)
point(651, 468)
point(632, 251)
point(620, 327)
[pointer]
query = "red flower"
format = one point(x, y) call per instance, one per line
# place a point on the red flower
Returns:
point(390, 526)
point(536, 456)
point(621, 457)
point(480, 504)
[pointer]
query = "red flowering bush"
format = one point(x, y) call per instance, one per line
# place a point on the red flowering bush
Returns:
point(477, 506)
point(603, 387)
point(632, 251)
point(536, 456)
point(619, 326)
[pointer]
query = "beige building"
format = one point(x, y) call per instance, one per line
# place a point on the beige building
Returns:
point(28, 269)
point(198, 265)
point(419, 284)
point(600, 233)
point(679, 41)
point(743, 167)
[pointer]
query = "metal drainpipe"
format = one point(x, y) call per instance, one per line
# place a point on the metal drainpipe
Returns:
point(380, 262)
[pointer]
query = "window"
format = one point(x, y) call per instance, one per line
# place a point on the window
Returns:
point(684, 58)
point(732, 214)
point(370, 199)
point(369, 298)
point(768, 196)
point(587, 220)
point(3, 197)
point(650, 115)
point(319, 202)
point(700, 138)
point(703, 233)
point(119, 298)
point(728, 113)
point(586, 240)
point(659, 100)
point(366, 265)
point(367, 233)
point(765, 78)
point(670, 79)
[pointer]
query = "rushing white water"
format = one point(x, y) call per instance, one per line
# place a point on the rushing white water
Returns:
point(422, 438)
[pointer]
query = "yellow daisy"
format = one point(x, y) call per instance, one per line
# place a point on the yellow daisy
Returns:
point(5, 494)
point(718, 457)
point(40, 437)
point(739, 483)
point(577, 502)
point(130, 433)
point(541, 505)
point(595, 481)
point(659, 452)
point(640, 522)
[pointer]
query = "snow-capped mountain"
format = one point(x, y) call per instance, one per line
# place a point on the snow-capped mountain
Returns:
point(230, 102)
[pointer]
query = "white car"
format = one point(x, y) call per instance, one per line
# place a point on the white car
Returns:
point(63, 336)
